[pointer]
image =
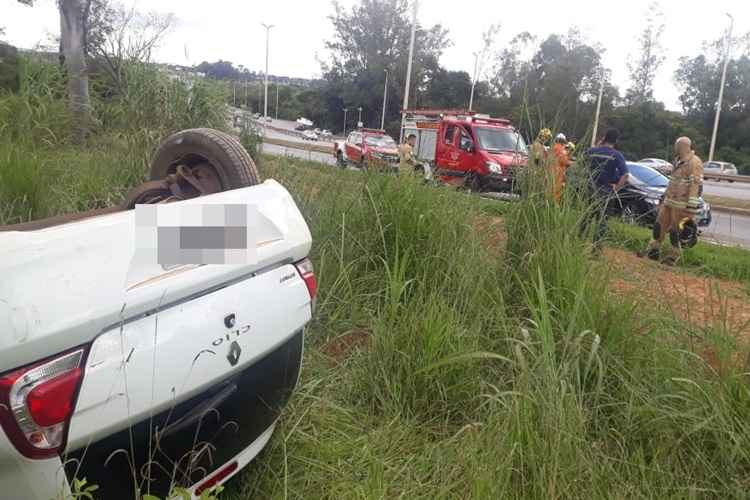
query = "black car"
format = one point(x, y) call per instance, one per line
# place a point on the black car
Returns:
point(642, 195)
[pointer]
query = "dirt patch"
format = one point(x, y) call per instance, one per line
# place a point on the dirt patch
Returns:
point(702, 301)
point(341, 347)
point(492, 231)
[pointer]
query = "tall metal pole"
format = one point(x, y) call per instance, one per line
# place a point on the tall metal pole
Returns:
point(265, 99)
point(277, 100)
point(598, 111)
point(721, 89)
point(473, 81)
point(385, 101)
point(359, 120)
point(345, 110)
point(408, 66)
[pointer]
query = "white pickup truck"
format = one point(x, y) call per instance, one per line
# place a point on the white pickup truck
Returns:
point(139, 377)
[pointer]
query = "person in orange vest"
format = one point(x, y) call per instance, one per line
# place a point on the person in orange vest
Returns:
point(559, 165)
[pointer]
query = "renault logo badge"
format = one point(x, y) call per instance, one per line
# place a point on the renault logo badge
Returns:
point(234, 353)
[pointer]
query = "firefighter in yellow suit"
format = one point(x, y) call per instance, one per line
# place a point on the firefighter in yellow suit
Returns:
point(406, 161)
point(681, 201)
point(539, 147)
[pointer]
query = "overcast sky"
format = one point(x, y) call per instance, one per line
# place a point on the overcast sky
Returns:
point(230, 29)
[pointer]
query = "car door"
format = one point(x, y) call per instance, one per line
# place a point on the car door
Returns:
point(354, 147)
point(466, 151)
point(447, 152)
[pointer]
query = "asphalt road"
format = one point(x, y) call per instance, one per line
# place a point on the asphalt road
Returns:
point(729, 228)
point(737, 190)
point(276, 150)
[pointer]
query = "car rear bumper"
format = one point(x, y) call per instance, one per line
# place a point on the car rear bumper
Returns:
point(186, 444)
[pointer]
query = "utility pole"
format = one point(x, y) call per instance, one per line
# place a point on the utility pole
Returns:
point(265, 99)
point(277, 100)
point(408, 66)
point(598, 110)
point(385, 100)
point(345, 110)
point(234, 93)
point(359, 121)
point(721, 89)
point(474, 81)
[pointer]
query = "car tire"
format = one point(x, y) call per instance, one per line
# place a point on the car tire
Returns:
point(473, 183)
point(227, 159)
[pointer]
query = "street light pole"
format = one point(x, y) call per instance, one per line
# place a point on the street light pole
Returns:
point(473, 81)
point(721, 89)
point(598, 110)
point(265, 99)
point(359, 121)
point(277, 100)
point(408, 66)
point(345, 110)
point(385, 100)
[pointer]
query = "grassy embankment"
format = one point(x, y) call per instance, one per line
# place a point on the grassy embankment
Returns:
point(440, 365)
point(447, 359)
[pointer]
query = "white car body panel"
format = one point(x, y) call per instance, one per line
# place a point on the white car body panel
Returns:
point(156, 336)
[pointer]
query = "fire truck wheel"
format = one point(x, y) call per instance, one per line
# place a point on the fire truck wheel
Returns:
point(473, 183)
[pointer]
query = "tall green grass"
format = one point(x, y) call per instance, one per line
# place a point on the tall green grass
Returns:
point(43, 174)
point(489, 375)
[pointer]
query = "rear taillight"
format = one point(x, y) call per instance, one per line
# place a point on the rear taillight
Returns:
point(306, 271)
point(36, 403)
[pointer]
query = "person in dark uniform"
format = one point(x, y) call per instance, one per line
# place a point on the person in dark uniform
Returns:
point(609, 173)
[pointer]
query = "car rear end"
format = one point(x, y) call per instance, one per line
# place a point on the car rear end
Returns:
point(140, 378)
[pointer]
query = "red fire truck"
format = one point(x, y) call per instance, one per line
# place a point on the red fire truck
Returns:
point(465, 147)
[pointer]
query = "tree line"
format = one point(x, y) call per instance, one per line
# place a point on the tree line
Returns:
point(536, 82)
point(548, 82)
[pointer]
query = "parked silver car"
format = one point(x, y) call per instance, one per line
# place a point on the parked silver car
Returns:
point(719, 168)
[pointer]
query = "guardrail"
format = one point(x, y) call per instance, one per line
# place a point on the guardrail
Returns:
point(730, 178)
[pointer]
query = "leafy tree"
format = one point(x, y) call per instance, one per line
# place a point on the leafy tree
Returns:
point(699, 78)
point(556, 87)
point(369, 38)
point(221, 70)
point(650, 57)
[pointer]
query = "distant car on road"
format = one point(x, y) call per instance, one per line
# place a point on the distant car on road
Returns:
point(326, 133)
point(268, 119)
point(317, 131)
point(662, 166)
point(309, 135)
point(642, 195)
point(720, 168)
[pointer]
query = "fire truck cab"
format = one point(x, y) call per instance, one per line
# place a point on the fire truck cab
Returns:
point(465, 147)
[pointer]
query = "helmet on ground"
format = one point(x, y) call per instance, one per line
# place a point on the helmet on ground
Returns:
point(688, 232)
point(561, 138)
